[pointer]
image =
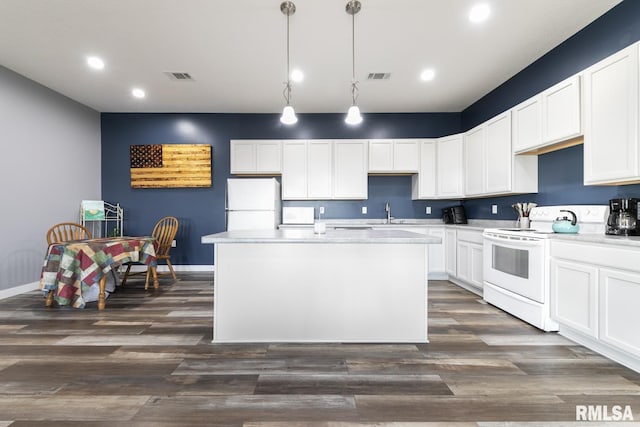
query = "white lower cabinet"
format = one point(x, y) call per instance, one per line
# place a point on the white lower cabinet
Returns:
point(595, 290)
point(574, 299)
point(436, 252)
point(451, 246)
point(470, 263)
point(465, 258)
point(437, 269)
point(619, 313)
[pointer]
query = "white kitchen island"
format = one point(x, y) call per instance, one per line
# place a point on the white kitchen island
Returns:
point(342, 286)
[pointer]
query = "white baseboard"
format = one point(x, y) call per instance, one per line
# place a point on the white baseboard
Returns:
point(466, 286)
point(28, 287)
point(188, 268)
point(18, 290)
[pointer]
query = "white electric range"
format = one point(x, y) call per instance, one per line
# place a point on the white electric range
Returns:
point(516, 261)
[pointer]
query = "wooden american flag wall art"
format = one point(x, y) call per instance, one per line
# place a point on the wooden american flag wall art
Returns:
point(170, 165)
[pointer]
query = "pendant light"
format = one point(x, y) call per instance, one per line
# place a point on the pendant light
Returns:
point(288, 113)
point(353, 115)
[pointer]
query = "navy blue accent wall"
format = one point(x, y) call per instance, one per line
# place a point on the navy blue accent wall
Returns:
point(560, 178)
point(615, 30)
point(560, 182)
point(396, 190)
point(201, 210)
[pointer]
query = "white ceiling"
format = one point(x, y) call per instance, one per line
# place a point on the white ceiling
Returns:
point(235, 51)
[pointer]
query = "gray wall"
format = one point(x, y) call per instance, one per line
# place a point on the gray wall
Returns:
point(50, 161)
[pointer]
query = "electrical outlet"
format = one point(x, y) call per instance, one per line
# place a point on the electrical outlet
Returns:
point(364, 210)
point(173, 243)
point(321, 210)
point(428, 210)
point(494, 209)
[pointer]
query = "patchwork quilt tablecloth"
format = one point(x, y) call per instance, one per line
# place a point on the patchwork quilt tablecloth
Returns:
point(69, 268)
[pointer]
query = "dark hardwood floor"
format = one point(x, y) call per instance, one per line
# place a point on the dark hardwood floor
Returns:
point(148, 360)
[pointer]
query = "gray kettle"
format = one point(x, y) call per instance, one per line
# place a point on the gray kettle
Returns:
point(566, 225)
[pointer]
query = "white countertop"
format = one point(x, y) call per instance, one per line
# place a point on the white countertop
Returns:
point(390, 233)
point(406, 223)
point(603, 239)
point(308, 236)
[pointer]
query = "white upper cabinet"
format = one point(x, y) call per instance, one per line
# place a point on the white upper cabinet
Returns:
point(611, 151)
point(307, 170)
point(561, 111)
point(320, 169)
point(406, 156)
point(260, 157)
point(294, 170)
point(474, 161)
point(380, 155)
point(490, 166)
point(449, 178)
point(393, 156)
point(549, 120)
point(423, 184)
point(527, 125)
point(498, 155)
point(350, 169)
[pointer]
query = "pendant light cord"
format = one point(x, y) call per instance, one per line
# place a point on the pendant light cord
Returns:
point(287, 88)
point(353, 47)
point(354, 82)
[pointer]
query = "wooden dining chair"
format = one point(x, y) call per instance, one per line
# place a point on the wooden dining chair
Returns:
point(61, 233)
point(67, 231)
point(164, 232)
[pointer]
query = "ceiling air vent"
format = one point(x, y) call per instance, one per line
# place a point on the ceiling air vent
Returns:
point(379, 76)
point(183, 77)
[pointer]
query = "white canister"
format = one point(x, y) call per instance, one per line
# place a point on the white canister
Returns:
point(319, 227)
point(524, 222)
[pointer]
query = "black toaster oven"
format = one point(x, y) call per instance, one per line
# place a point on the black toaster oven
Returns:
point(454, 215)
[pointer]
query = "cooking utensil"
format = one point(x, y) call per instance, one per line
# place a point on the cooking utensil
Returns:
point(566, 225)
point(523, 209)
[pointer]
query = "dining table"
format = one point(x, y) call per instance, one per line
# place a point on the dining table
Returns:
point(70, 268)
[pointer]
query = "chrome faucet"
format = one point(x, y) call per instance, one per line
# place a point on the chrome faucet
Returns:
point(387, 209)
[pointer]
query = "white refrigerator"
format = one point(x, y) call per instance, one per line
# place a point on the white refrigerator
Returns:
point(253, 204)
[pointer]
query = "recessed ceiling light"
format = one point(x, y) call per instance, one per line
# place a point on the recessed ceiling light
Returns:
point(428, 74)
point(479, 13)
point(138, 93)
point(95, 63)
point(297, 75)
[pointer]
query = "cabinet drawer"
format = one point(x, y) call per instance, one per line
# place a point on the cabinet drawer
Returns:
point(603, 255)
point(470, 236)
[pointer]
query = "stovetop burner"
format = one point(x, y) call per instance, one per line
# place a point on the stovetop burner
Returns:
point(592, 219)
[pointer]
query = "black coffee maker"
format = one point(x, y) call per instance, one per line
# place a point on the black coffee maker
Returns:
point(623, 217)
